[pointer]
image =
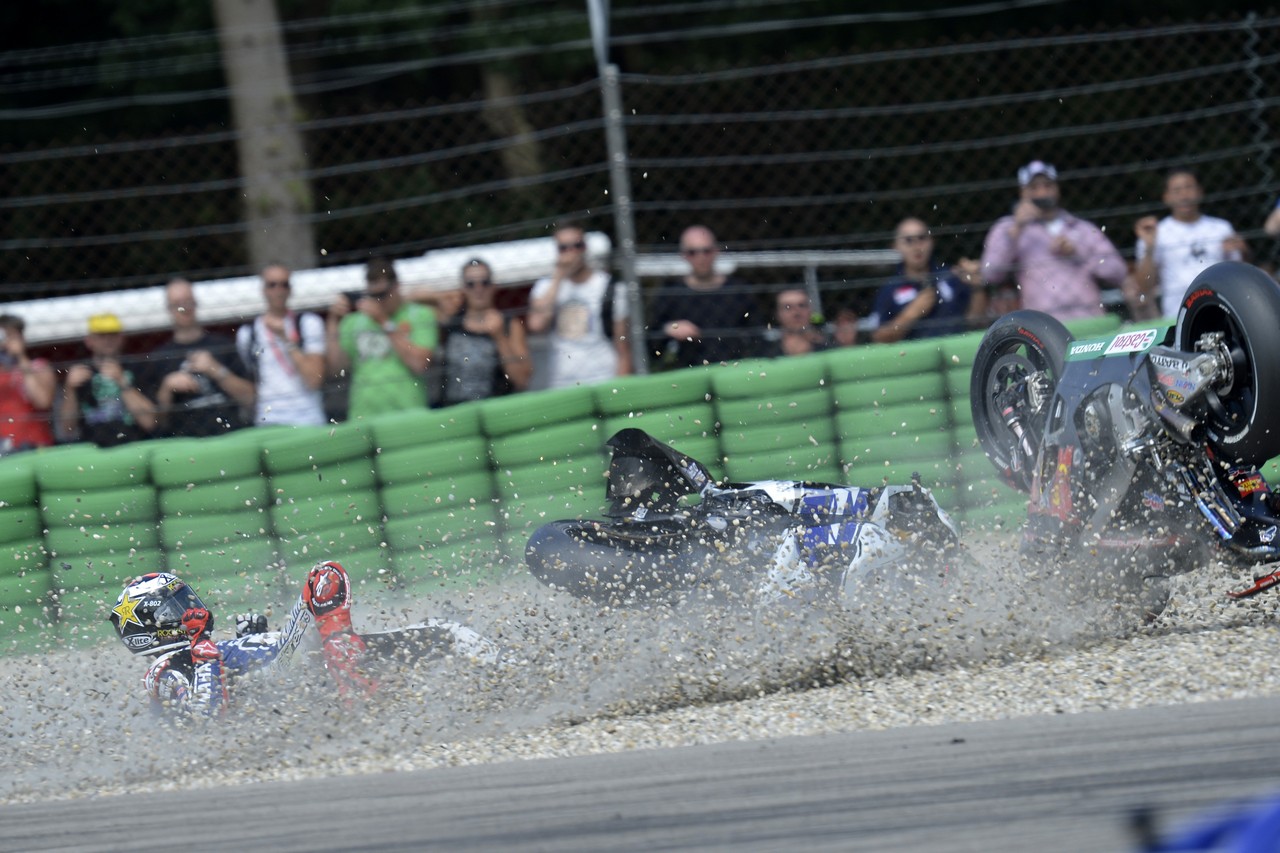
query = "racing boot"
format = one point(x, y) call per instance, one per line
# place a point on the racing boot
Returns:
point(327, 594)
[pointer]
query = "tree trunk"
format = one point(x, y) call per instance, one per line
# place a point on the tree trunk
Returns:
point(273, 163)
point(506, 119)
point(523, 159)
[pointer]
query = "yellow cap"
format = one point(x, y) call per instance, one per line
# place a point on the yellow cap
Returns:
point(104, 324)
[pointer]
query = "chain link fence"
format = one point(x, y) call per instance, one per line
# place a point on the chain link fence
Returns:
point(818, 153)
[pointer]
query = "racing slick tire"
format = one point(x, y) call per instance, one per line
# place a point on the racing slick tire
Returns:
point(1243, 303)
point(613, 564)
point(1017, 345)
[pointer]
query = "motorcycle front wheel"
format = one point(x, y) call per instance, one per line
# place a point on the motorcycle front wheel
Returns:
point(1242, 303)
point(1018, 344)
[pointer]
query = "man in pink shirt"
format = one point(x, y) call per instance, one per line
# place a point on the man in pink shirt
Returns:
point(1057, 260)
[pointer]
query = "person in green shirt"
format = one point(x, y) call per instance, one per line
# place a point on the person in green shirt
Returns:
point(384, 343)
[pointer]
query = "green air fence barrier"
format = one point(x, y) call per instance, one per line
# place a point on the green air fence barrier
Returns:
point(422, 500)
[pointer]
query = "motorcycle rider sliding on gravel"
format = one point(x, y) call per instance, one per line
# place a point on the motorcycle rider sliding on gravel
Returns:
point(159, 615)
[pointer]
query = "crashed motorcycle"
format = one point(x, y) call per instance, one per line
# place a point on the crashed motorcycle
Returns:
point(671, 531)
point(1140, 451)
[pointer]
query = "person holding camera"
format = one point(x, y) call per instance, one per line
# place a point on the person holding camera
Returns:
point(1057, 260)
point(101, 402)
point(285, 354)
point(383, 343)
point(27, 389)
point(795, 332)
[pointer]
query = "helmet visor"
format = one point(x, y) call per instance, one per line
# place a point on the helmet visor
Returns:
point(179, 601)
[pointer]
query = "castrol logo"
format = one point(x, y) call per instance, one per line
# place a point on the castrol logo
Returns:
point(1135, 341)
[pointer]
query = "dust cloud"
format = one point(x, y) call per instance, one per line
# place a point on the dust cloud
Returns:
point(76, 722)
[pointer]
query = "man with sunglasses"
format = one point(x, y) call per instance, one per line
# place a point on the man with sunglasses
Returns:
point(285, 354)
point(383, 343)
point(588, 337)
point(199, 382)
point(924, 299)
point(705, 317)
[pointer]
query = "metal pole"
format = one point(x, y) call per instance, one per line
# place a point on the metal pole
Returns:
point(624, 224)
point(615, 135)
point(598, 14)
point(811, 288)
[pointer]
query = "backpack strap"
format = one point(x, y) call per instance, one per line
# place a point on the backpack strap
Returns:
point(606, 309)
point(249, 352)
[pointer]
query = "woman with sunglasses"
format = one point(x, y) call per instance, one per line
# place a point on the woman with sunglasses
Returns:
point(485, 351)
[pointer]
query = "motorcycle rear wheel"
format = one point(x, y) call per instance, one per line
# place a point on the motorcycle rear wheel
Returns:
point(1243, 303)
point(1017, 345)
point(613, 563)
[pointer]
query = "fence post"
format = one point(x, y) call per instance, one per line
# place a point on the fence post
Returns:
point(624, 223)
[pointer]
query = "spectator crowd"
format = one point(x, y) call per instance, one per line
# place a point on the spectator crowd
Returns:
point(380, 350)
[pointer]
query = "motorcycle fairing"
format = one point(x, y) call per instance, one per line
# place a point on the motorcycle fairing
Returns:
point(814, 503)
point(1130, 342)
point(647, 477)
point(1087, 479)
point(1083, 474)
point(783, 537)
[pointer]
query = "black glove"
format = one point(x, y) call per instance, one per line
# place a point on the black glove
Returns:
point(250, 623)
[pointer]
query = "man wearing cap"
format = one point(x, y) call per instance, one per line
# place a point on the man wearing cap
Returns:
point(1057, 260)
point(100, 399)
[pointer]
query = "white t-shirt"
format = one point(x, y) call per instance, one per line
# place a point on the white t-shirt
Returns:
point(581, 348)
point(1183, 250)
point(283, 398)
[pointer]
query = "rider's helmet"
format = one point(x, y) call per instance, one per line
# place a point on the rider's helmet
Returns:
point(148, 614)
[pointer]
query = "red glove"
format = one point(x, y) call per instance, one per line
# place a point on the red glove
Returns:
point(327, 594)
point(198, 623)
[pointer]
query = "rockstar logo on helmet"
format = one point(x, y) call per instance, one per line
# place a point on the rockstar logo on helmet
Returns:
point(125, 610)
